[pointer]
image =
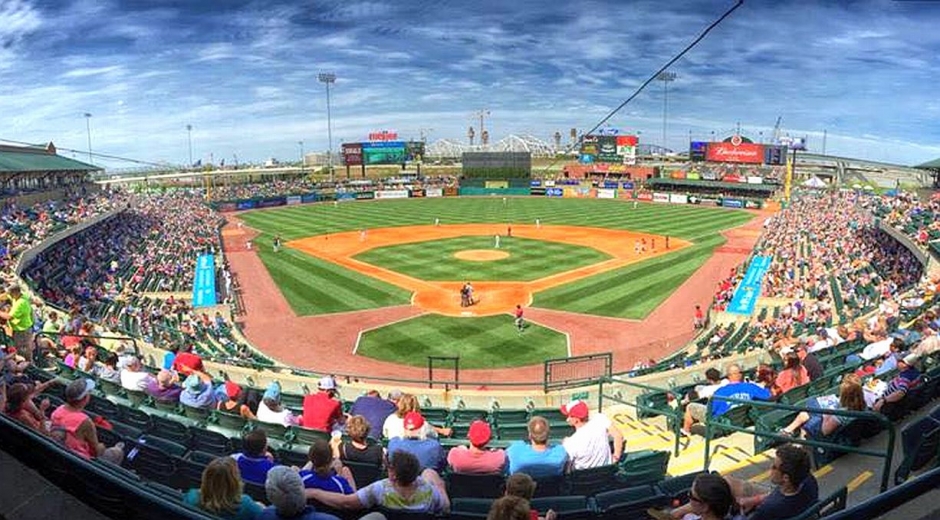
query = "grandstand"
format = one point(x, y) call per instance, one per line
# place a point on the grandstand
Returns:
point(145, 299)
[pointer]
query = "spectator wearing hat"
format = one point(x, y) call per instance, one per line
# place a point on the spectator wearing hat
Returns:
point(588, 446)
point(185, 362)
point(537, 457)
point(891, 402)
point(197, 391)
point(270, 409)
point(324, 472)
point(374, 408)
point(236, 401)
point(254, 461)
point(134, 377)
point(81, 436)
point(407, 488)
point(322, 411)
point(285, 491)
point(429, 452)
point(164, 387)
point(476, 458)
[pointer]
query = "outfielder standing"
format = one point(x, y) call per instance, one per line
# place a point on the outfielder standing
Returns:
point(520, 322)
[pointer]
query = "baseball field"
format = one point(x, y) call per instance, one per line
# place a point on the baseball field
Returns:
point(585, 256)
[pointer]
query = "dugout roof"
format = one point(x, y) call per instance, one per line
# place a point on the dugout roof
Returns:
point(26, 159)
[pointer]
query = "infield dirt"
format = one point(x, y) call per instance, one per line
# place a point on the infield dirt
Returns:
point(492, 297)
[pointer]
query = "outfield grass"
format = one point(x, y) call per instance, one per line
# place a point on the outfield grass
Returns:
point(632, 291)
point(481, 342)
point(529, 259)
point(315, 287)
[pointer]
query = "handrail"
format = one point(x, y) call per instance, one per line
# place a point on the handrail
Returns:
point(887, 454)
point(41, 334)
point(886, 501)
point(675, 415)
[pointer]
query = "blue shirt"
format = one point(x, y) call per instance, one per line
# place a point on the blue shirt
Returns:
point(204, 399)
point(536, 464)
point(429, 452)
point(744, 391)
point(253, 469)
point(333, 483)
point(168, 359)
point(375, 410)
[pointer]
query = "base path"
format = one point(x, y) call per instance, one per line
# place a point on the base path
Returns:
point(325, 343)
point(493, 297)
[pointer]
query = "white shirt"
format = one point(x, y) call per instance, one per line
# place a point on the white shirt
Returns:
point(134, 380)
point(394, 426)
point(588, 446)
point(267, 415)
point(876, 350)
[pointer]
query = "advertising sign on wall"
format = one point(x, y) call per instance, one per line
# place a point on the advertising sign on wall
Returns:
point(554, 192)
point(747, 292)
point(739, 153)
point(660, 197)
point(605, 193)
point(204, 282)
point(678, 198)
point(434, 192)
point(293, 199)
point(607, 149)
point(732, 203)
point(451, 191)
point(417, 193)
point(647, 196)
point(391, 194)
point(388, 152)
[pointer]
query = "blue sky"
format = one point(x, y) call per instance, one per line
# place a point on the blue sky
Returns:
point(244, 73)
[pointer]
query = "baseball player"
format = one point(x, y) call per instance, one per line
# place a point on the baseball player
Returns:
point(520, 322)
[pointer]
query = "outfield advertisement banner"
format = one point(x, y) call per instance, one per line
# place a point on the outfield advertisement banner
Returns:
point(310, 197)
point(739, 153)
point(391, 194)
point(538, 191)
point(660, 197)
point(272, 202)
point(417, 193)
point(605, 193)
point(748, 291)
point(345, 196)
point(227, 206)
point(246, 204)
point(294, 199)
point(364, 195)
point(644, 196)
point(678, 198)
point(496, 185)
point(554, 192)
point(433, 192)
point(451, 191)
point(732, 203)
point(204, 282)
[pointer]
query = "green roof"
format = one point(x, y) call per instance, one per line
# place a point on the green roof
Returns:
point(763, 188)
point(930, 164)
point(18, 159)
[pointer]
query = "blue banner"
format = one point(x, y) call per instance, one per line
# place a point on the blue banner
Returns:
point(246, 204)
point(554, 192)
point(204, 282)
point(732, 203)
point(535, 183)
point(628, 185)
point(610, 185)
point(310, 197)
point(748, 291)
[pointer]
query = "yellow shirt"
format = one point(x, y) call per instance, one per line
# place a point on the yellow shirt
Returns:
point(21, 315)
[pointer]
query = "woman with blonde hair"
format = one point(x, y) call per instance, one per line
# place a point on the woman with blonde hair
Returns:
point(221, 492)
point(851, 397)
point(359, 448)
point(395, 424)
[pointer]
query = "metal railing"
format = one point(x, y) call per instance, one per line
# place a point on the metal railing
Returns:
point(887, 454)
point(673, 416)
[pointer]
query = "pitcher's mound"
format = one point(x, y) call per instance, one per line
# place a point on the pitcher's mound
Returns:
point(481, 255)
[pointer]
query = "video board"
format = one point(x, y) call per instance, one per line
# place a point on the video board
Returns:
point(609, 149)
point(382, 152)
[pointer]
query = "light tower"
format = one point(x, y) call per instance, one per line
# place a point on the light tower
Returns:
point(666, 77)
point(328, 78)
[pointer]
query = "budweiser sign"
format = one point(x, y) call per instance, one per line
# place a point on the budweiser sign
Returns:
point(741, 153)
point(384, 135)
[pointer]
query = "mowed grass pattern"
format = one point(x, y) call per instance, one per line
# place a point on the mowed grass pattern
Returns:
point(486, 342)
point(528, 260)
point(314, 287)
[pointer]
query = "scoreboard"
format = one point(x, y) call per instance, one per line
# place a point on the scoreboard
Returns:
point(775, 154)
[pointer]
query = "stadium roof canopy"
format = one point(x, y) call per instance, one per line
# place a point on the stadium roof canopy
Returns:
point(22, 159)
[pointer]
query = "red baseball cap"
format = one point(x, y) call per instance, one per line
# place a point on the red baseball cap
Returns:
point(232, 389)
point(577, 409)
point(479, 433)
point(413, 421)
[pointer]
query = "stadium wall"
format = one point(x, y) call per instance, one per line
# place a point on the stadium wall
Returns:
point(29, 255)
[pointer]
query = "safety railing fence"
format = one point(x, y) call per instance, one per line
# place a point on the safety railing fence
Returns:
point(712, 427)
point(673, 416)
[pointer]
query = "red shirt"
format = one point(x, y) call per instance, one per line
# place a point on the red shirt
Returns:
point(186, 362)
point(321, 411)
point(518, 313)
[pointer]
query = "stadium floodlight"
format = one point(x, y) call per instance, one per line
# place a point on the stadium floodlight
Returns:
point(189, 134)
point(88, 130)
point(328, 78)
point(302, 161)
point(666, 77)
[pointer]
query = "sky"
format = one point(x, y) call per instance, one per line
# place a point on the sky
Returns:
point(244, 74)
